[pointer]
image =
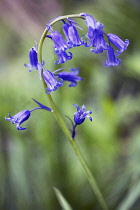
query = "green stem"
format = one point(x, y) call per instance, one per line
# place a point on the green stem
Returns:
point(78, 154)
point(63, 125)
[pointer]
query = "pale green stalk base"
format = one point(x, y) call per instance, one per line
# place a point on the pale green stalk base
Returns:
point(63, 125)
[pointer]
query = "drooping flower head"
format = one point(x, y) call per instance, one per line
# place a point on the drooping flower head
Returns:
point(71, 33)
point(112, 60)
point(118, 43)
point(81, 114)
point(33, 59)
point(24, 115)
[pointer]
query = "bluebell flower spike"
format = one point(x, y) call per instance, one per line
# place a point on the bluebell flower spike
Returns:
point(24, 115)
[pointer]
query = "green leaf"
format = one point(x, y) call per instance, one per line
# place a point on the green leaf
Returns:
point(63, 203)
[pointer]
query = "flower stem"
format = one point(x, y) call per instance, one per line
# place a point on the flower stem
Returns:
point(62, 123)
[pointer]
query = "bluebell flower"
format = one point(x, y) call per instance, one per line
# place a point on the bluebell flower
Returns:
point(51, 81)
point(81, 114)
point(59, 42)
point(71, 33)
point(79, 118)
point(60, 47)
point(55, 80)
point(70, 76)
point(33, 60)
point(112, 60)
point(95, 34)
point(24, 115)
point(118, 43)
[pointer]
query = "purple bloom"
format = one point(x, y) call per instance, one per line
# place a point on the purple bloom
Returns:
point(80, 115)
point(111, 60)
point(115, 40)
point(71, 33)
point(60, 47)
point(33, 59)
point(51, 81)
point(70, 76)
point(59, 42)
point(95, 34)
point(79, 118)
point(55, 80)
point(22, 116)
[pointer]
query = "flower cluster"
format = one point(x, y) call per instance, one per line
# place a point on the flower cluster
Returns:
point(96, 39)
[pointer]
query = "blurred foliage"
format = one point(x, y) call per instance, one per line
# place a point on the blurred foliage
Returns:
point(34, 161)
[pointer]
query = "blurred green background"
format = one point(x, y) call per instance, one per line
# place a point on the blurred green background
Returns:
point(34, 161)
